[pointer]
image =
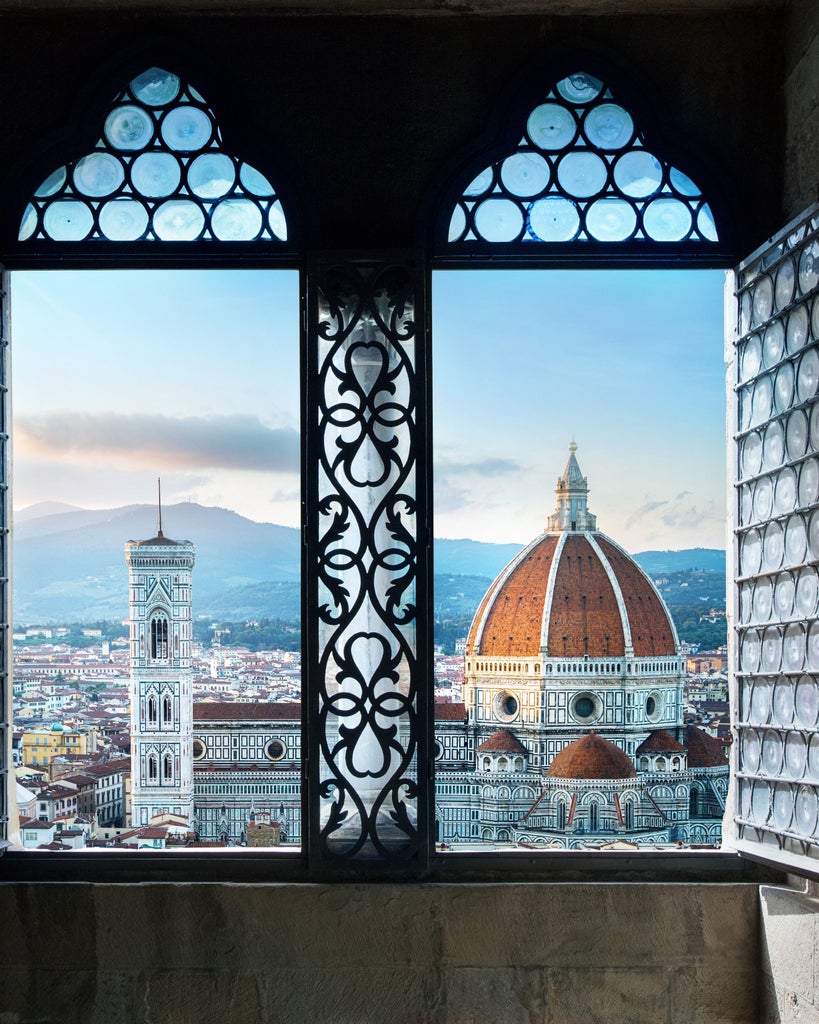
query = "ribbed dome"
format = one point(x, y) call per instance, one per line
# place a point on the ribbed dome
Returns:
point(503, 741)
point(573, 594)
point(704, 751)
point(592, 757)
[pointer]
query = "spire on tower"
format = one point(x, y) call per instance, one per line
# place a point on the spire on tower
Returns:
point(159, 507)
point(572, 492)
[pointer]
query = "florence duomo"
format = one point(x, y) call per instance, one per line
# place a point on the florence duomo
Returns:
point(570, 733)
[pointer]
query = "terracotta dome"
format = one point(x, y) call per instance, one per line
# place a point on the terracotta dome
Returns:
point(660, 742)
point(572, 592)
point(503, 741)
point(704, 751)
point(592, 757)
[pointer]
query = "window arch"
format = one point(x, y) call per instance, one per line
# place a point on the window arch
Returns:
point(167, 768)
point(152, 710)
point(167, 710)
point(158, 173)
point(576, 175)
point(153, 768)
point(159, 637)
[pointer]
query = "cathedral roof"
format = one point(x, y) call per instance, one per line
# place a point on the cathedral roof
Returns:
point(704, 751)
point(592, 757)
point(445, 712)
point(572, 592)
point(503, 741)
point(660, 742)
point(244, 711)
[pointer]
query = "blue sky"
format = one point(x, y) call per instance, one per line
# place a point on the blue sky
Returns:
point(123, 376)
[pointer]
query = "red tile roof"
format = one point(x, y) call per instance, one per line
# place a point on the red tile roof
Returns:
point(503, 741)
point(660, 741)
point(238, 711)
point(592, 757)
point(450, 712)
point(704, 751)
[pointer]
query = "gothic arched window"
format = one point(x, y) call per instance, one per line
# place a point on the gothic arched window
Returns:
point(152, 710)
point(158, 173)
point(582, 172)
point(159, 638)
point(167, 768)
point(167, 711)
point(153, 768)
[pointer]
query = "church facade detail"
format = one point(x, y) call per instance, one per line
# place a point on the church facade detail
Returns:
point(570, 733)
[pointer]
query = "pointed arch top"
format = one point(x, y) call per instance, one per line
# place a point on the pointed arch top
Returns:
point(582, 180)
point(159, 173)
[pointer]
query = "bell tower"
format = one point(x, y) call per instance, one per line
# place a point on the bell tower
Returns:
point(161, 676)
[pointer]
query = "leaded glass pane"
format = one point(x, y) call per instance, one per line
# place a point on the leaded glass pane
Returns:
point(367, 717)
point(581, 172)
point(775, 370)
point(159, 172)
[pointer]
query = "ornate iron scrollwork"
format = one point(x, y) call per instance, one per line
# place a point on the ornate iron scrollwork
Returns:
point(363, 553)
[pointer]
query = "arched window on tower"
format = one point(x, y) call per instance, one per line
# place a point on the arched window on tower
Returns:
point(152, 711)
point(167, 711)
point(159, 638)
point(167, 768)
point(153, 768)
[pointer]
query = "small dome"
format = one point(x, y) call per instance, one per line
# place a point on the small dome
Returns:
point(704, 751)
point(660, 742)
point(503, 741)
point(56, 727)
point(592, 757)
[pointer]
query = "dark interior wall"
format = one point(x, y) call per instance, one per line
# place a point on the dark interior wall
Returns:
point(362, 116)
point(801, 94)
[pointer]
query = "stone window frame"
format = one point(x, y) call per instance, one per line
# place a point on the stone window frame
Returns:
point(652, 866)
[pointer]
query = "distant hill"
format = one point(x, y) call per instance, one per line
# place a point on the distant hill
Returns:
point(69, 564)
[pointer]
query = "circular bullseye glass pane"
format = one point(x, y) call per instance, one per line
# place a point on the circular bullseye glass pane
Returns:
point(763, 600)
point(682, 183)
point(771, 649)
point(793, 658)
point(178, 220)
point(783, 694)
point(751, 454)
point(579, 88)
point(480, 184)
point(763, 300)
point(457, 224)
point(785, 493)
point(760, 802)
point(211, 175)
point(129, 128)
point(667, 220)
point(256, 183)
point(53, 183)
point(750, 651)
point(608, 126)
point(155, 87)
point(763, 498)
point(706, 225)
point(236, 220)
point(554, 220)
point(783, 595)
point(746, 504)
point(763, 400)
point(809, 267)
point(186, 128)
point(751, 552)
point(797, 434)
point(773, 546)
point(582, 174)
point(551, 126)
point(806, 592)
point(773, 344)
point(809, 483)
point(98, 174)
point(277, 221)
point(123, 220)
point(525, 174)
point(796, 755)
point(750, 750)
point(783, 387)
point(68, 220)
point(751, 358)
point(782, 806)
point(813, 646)
point(785, 280)
point(611, 220)
point(773, 445)
point(806, 807)
point(745, 311)
point(759, 712)
point(797, 329)
point(806, 702)
point(638, 174)
point(796, 541)
point(807, 375)
point(498, 220)
point(772, 751)
point(29, 223)
point(156, 175)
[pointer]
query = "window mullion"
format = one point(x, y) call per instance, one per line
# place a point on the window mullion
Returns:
point(368, 680)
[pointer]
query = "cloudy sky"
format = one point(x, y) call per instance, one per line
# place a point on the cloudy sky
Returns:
point(122, 376)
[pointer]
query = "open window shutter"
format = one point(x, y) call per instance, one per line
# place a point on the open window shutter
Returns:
point(5, 558)
point(773, 368)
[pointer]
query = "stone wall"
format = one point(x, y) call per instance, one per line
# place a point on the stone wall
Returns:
point(789, 954)
point(355, 954)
